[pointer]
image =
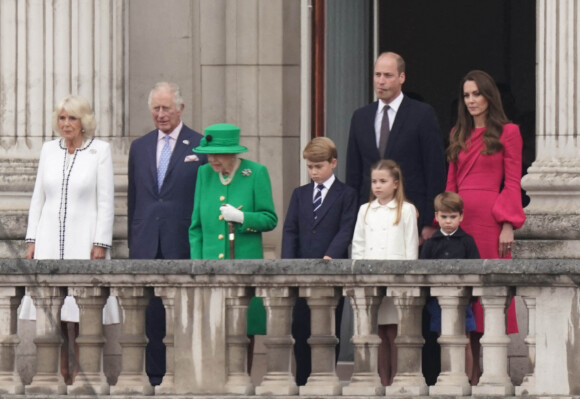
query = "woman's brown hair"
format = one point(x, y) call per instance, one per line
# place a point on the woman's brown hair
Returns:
point(495, 118)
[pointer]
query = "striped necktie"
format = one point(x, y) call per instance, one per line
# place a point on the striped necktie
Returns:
point(317, 203)
point(163, 162)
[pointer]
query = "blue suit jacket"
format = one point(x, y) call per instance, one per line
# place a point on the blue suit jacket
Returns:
point(332, 231)
point(158, 222)
point(415, 143)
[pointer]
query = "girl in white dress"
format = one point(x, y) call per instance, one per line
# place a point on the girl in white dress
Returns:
point(386, 228)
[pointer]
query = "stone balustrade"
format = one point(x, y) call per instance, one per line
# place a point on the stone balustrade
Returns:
point(206, 306)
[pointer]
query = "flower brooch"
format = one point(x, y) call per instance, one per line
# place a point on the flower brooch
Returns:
point(246, 172)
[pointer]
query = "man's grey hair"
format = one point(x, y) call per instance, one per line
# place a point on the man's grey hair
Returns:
point(168, 86)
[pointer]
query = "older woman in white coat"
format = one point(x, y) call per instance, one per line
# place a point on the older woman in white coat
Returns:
point(72, 206)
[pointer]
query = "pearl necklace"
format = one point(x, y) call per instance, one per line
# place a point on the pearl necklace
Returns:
point(228, 179)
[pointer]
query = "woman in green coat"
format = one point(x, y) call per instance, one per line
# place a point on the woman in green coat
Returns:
point(231, 190)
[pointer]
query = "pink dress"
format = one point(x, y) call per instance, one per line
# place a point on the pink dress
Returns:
point(478, 179)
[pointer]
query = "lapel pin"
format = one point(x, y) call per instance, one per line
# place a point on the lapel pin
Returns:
point(186, 142)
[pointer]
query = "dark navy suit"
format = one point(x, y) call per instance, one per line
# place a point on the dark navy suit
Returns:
point(331, 233)
point(305, 238)
point(415, 143)
point(158, 222)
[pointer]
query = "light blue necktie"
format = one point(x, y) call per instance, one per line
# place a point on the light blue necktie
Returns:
point(163, 162)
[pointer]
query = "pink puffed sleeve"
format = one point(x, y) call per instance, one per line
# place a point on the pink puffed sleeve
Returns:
point(508, 206)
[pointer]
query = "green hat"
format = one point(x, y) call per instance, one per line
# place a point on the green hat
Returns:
point(221, 138)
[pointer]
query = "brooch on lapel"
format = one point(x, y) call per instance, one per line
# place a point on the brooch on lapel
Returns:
point(186, 142)
point(246, 172)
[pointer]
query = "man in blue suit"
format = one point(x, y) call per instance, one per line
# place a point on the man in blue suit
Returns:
point(402, 129)
point(159, 212)
point(162, 175)
point(319, 224)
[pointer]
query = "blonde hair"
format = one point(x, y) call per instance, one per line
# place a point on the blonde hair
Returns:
point(395, 170)
point(320, 149)
point(78, 107)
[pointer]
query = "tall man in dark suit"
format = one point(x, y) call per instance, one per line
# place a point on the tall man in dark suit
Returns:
point(408, 134)
point(162, 175)
point(160, 211)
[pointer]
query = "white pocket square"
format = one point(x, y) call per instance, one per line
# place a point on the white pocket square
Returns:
point(191, 158)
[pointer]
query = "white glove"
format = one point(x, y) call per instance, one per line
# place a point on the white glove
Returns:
point(232, 214)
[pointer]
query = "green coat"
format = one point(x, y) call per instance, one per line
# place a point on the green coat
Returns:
point(251, 192)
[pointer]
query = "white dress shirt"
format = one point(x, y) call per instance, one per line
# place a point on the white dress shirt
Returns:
point(174, 135)
point(327, 184)
point(393, 108)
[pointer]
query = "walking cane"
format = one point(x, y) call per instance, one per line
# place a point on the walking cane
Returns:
point(232, 237)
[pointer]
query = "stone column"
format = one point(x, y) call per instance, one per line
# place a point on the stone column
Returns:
point(552, 228)
point(495, 379)
point(452, 380)
point(238, 380)
point(167, 295)
point(278, 379)
point(49, 49)
point(133, 380)
point(90, 379)
point(10, 382)
point(48, 379)
point(365, 379)
point(409, 379)
point(323, 379)
point(529, 295)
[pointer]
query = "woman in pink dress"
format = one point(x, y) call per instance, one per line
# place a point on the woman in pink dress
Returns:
point(485, 164)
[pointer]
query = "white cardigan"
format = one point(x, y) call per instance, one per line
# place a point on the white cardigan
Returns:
point(376, 237)
point(72, 208)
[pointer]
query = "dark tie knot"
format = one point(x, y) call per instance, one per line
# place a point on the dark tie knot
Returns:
point(320, 187)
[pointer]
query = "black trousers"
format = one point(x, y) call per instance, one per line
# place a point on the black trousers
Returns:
point(301, 333)
point(155, 365)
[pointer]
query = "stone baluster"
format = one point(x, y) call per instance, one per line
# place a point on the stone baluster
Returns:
point(132, 380)
point(167, 295)
point(409, 379)
point(529, 295)
point(90, 379)
point(10, 382)
point(495, 379)
point(365, 379)
point(48, 379)
point(238, 380)
point(279, 342)
point(323, 379)
point(452, 380)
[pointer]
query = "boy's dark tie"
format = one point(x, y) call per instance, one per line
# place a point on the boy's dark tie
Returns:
point(317, 199)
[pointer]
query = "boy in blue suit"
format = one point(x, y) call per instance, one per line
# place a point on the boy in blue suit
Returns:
point(319, 224)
